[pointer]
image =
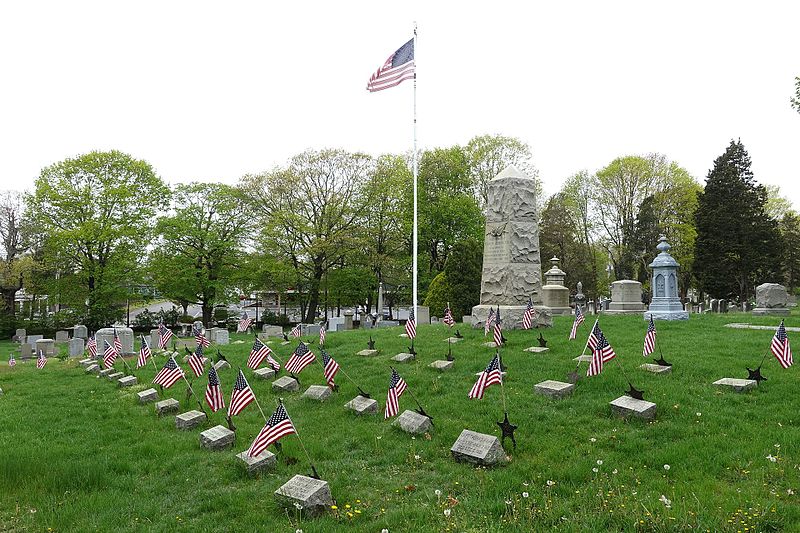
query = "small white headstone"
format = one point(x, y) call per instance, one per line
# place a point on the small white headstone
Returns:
point(222, 364)
point(554, 389)
point(114, 376)
point(478, 448)
point(312, 495)
point(94, 368)
point(453, 340)
point(656, 369)
point(190, 419)
point(404, 358)
point(442, 366)
point(285, 384)
point(629, 406)
point(105, 372)
point(537, 349)
point(76, 347)
point(489, 345)
point(86, 362)
point(738, 385)
point(367, 353)
point(127, 381)
point(147, 396)
point(362, 406)
point(62, 336)
point(584, 358)
point(413, 422)
point(264, 373)
point(217, 438)
point(317, 392)
point(272, 331)
point(170, 405)
point(266, 460)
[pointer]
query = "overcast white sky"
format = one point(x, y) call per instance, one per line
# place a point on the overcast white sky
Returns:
point(214, 90)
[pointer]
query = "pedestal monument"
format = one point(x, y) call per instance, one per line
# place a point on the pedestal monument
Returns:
point(554, 294)
point(665, 305)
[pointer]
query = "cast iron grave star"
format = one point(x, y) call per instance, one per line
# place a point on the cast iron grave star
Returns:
point(508, 431)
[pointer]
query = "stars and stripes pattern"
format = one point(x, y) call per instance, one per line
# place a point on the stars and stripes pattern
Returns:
point(322, 334)
point(91, 346)
point(448, 317)
point(214, 397)
point(593, 336)
point(602, 352)
point(144, 353)
point(169, 374)
point(411, 325)
point(498, 329)
point(579, 318)
point(395, 70)
point(397, 386)
point(164, 335)
point(244, 323)
point(109, 354)
point(780, 347)
point(11, 361)
point(296, 331)
point(117, 344)
point(279, 425)
point(257, 354)
point(196, 361)
point(649, 338)
point(487, 326)
point(529, 316)
point(301, 358)
point(201, 339)
point(491, 375)
point(242, 395)
point(41, 360)
point(330, 368)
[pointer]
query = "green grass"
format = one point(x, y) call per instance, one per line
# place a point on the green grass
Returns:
point(78, 454)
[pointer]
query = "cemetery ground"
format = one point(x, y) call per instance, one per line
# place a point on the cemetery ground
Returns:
point(80, 454)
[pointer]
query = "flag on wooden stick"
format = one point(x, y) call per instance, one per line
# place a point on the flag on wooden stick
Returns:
point(579, 318)
point(492, 375)
point(242, 395)
point(396, 389)
point(144, 353)
point(169, 374)
point(780, 347)
point(214, 391)
point(649, 338)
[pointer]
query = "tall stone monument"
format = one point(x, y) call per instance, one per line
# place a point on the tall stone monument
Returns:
point(666, 304)
point(554, 294)
point(512, 268)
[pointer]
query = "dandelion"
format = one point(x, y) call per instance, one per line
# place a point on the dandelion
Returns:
point(777, 445)
point(666, 467)
point(437, 492)
point(333, 507)
point(666, 501)
point(772, 458)
point(298, 506)
point(416, 457)
point(790, 492)
point(550, 482)
point(508, 502)
point(698, 413)
point(447, 513)
point(298, 531)
point(593, 439)
point(595, 470)
point(599, 462)
point(524, 494)
point(614, 471)
point(384, 530)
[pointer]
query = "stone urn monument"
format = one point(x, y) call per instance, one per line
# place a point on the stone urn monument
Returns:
point(771, 299)
point(665, 305)
point(554, 294)
point(512, 269)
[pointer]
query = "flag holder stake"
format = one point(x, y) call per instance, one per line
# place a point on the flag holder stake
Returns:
point(756, 374)
point(191, 390)
point(506, 427)
point(360, 391)
point(297, 433)
point(575, 372)
point(632, 391)
point(334, 388)
point(152, 357)
point(420, 410)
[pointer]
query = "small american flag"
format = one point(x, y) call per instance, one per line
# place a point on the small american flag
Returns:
point(593, 336)
point(396, 389)
point(91, 346)
point(331, 367)
point(498, 329)
point(109, 354)
point(411, 325)
point(301, 358)
point(257, 354)
point(529, 316)
point(244, 323)
point(487, 326)
point(242, 395)
point(200, 338)
point(579, 318)
point(214, 391)
point(169, 374)
point(279, 425)
point(117, 344)
point(41, 360)
point(144, 353)
point(196, 361)
point(322, 335)
point(164, 335)
point(780, 347)
point(649, 338)
point(11, 360)
point(398, 68)
point(296, 331)
point(448, 317)
point(602, 352)
point(492, 375)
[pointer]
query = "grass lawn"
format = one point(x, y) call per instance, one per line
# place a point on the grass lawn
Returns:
point(79, 454)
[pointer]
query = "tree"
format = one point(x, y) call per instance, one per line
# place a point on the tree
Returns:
point(790, 231)
point(201, 244)
point(463, 276)
point(577, 194)
point(15, 240)
point(94, 215)
point(795, 101)
point(776, 205)
point(488, 155)
point(737, 244)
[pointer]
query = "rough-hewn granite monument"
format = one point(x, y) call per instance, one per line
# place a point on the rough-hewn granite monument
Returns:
point(512, 268)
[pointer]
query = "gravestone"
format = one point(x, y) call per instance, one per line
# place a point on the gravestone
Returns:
point(26, 351)
point(262, 462)
point(190, 419)
point(217, 438)
point(379, 305)
point(512, 269)
point(86, 362)
point(537, 349)
point(285, 384)
point(272, 331)
point(554, 294)
point(723, 306)
point(362, 406)
point(222, 364)
point(313, 496)
point(348, 320)
point(105, 372)
point(93, 369)
point(714, 305)
point(264, 373)
point(309, 329)
point(583, 358)
point(368, 353)
point(125, 337)
point(170, 405)
point(155, 338)
point(319, 393)
point(478, 448)
point(388, 323)
point(665, 304)
point(336, 323)
point(656, 369)
point(76, 347)
point(31, 339)
point(219, 336)
point(62, 336)
point(48, 346)
point(413, 422)
point(404, 358)
point(771, 299)
point(114, 376)
point(453, 340)
point(738, 385)
point(147, 396)
point(20, 335)
point(627, 406)
point(554, 389)
point(442, 366)
point(626, 298)
point(127, 381)
point(80, 331)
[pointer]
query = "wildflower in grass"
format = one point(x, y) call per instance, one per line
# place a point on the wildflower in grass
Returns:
point(593, 439)
point(595, 470)
point(437, 492)
point(666, 467)
point(698, 413)
point(772, 458)
point(614, 471)
point(384, 530)
point(524, 494)
point(550, 482)
point(298, 531)
point(447, 513)
point(334, 507)
point(599, 462)
point(508, 502)
point(790, 492)
point(666, 501)
point(298, 506)
point(416, 457)
point(777, 445)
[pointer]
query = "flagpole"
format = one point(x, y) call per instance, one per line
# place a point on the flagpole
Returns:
point(414, 233)
point(199, 403)
point(587, 342)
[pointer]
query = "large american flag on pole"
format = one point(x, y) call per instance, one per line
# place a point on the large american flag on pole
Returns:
point(492, 375)
point(530, 314)
point(780, 347)
point(397, 386)
point(144, 353)
point(411, 325)
point(395, 70)
point(579, 318)
point(164, 335)
point(331, 367)
point(649, 338)
point(301, 358)
point(602, 352)
point(214, 391)
point(169, 374)
point(244, 323)
point(242, 395)
point(279, 425)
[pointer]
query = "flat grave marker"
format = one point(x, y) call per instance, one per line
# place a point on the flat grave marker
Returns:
point(478, 448)
point(264, 373)
point(368, 353)
point(413, 422)
point(127, 381)
point(170, 405)
point(262, 462)
point(285, 384)
point(190, 419)
point(554, 389)
point(627, 406)
point(319, 393)
point(656, 369)
point(738, 385)
point(313, 495)
point(362, 406)
point(404, 358)
point(147, 396)
point(217, 438)
point(442, 366)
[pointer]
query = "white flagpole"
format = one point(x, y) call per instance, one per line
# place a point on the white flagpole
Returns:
point(414, 234)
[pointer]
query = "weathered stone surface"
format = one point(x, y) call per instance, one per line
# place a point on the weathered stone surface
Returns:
point(86, 362)
point(26, 351)
point(31, 339)
point(20, 335)
point(221, 336)
point(554, 389)
point(442, 366)
point(285, 384)
point(453, 340)
point(554, 294)
point(319, 393)
point(105, 372)
point(62, 336)
point(94, 368)
point(368, 353)
point(190, 419)
point(127, 381)
point(264, 373)
point(309, 329)
point(751, 326)
point(272, 331)
point(738, 385)
point(665, 303)
point(125, 337)
point(584, 358)
point(404, 358)
point(626, 297)
point(413, 422)
point(262, 462)
point(628, 406)
point(221, 365)
point(170, 405)
point(76, 347)
point(80, 331)
point(489, 344)
point(656, 369)
point(217, 438)
point(114, 376)
point(771, 295)
point(478, 448)
point(147, 396)
point(537, 349)
point(362, 406)
point(312, 495)
point(48, 346)
point(387, 323)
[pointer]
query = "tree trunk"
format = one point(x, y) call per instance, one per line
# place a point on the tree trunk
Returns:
point(313, 293)
point(8, 294)
point(208, 309)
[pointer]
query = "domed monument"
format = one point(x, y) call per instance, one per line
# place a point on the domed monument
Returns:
point(666, 304)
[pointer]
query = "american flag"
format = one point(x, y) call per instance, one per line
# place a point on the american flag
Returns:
point(301, 358)
point(322, 335)
point(579, 318)
point(244, 323)
point(448, 317)
point(492, 375)
point(487, 326)
point(91, 346)
point(593, 336)
point(200, 338)
point(117, 344)
point(11, 360)
point(279, 425)
point(780, 347)
point(257, 354)
point(214, 391)
point(396, 389)
point(164, 335)
point(398, 68)
point(530, 314)
point(196, 361)
point(331, 367)
point(649, 338)
point(242, 395)
point(411, 325)
point(169, 374)
point(498, 329)
point(41, 360)
point(109, 354)
point(144, 353)
point(602, 352)
point(296, 331)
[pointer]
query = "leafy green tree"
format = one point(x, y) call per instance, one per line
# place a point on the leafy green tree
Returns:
point(438, 295)
point(577, 193)
point(94, 215)
point(350, 285)
point(776, 205)
point(488, 155)
point(790, 231)
point(463, 274)
point(15, 240)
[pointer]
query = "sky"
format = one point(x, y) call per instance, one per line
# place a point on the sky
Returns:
point(210, 91)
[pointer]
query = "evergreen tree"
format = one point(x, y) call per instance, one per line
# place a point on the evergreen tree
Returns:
point(790, 231)
point(463, 276)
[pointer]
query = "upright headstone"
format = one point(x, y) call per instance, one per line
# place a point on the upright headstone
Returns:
point(221, 337)
point(512, 270)
point(76, 347)
point(309, 329)
point(312, 496)
point(379, 308)
point(580, 298)
point(771, 299)
point(348, 320)
point(48, 346)
point(125, 337)
point(666, 303)
point(554, 294)
point(714, 305)
point(154, 339)
point(626, 298)
point(62, 336)
point(20, 335)
point(26, 351)
point(80, 331)
point(336, 323)
point(272, 331)
point(31, 339)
